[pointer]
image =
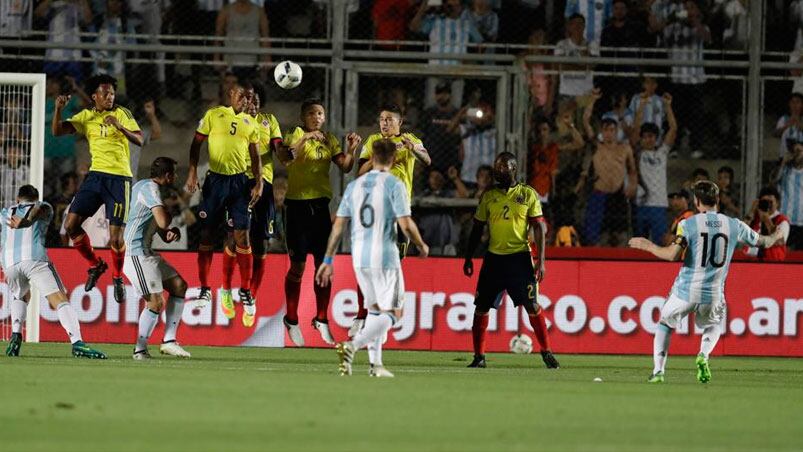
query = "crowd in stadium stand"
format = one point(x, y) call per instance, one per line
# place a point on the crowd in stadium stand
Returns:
point(598, 146)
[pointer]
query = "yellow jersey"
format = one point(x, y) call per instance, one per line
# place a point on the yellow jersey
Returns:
point(507, 213)
point(229, 135)
point(108, 147)
point(268, 132)
point(404, 164)
point(308, 172)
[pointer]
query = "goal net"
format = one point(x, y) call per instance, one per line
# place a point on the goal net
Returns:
point(22, 122)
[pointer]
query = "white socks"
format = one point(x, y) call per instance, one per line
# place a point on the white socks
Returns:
point(173, 311)
point(376, 325)
point(19, 309)
point(709, 341)
point(147, 322)
point(69, 321)
point(660, 347)
point(375, 351)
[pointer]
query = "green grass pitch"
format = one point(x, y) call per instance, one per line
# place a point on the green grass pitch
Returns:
point(227, 399)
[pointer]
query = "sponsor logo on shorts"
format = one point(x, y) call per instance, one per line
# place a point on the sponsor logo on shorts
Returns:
point(202, 214)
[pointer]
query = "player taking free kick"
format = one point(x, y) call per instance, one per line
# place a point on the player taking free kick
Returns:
point(23, 228)
point(108, 128)
point(709, 239)
point(512, 212)
point(376, 202)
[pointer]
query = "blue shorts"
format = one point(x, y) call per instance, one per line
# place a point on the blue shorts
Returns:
point(224, 194)
point(101, 189)
point(263, 214)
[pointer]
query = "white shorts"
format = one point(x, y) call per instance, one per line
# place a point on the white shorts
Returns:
point(146, 273)
point(381, 286)
point(41, 274)
point(705, 315)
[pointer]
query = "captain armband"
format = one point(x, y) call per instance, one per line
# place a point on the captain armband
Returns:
point(680, 241)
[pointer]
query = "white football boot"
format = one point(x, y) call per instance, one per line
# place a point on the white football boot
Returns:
point(323, 328)
point(173, 349)
point(356, 326)
point(379, 372)
point(294, 331)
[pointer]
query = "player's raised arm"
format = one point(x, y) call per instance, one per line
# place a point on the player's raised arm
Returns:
point(345, 160)
point(134, 136)
point(417, 148)
point(57, 126)
point(671, 252)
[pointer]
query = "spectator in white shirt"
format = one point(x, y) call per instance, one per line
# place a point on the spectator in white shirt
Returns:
point(651, 160)
point(575, 80)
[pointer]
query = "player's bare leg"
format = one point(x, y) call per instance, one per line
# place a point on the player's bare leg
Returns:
point(117, 246)
point(83, 245)
point(538, 323)
point(176, 287)
point(321, 320)
point(478, 328)
point(292, 291)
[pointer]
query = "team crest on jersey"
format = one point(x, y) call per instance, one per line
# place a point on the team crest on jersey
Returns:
point(520, 199)
point(265, 123)
point(245, 120)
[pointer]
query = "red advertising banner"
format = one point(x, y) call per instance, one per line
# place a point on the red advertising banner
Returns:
point(592, 307)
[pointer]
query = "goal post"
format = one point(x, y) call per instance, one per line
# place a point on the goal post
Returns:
point(22, 116)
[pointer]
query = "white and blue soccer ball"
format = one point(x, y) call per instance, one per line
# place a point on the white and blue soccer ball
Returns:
point(521, 344)
point(287, 74)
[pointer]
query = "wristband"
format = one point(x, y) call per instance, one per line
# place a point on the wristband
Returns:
point(328, 260)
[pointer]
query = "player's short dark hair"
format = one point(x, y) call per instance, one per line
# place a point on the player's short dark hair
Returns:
point(797, 95)
point(621, 1)
point(384, 151)
point(726, 169)
point(609, 122)
point(770, 191)
point(576, 16)
point(706, 192)
point(650, 127)
point(28, 193)
point(700, 172)
point(506, 157)
point(393, 108)
point(259, 90)
point(162, 166)
point(93, 83)
point(309, 103)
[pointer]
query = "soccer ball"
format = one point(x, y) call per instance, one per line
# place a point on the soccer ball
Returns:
point(521, 344)
point(287, 74)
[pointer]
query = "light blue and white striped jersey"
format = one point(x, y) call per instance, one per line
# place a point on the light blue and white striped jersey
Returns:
point(479, 148)
point(793, 133)
point(373, 202)
point(653, 110)
point(24, 244)
point(791, 187)
point(712, 237)
point(596, 13)
point(140, 228)
point(447, 35)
